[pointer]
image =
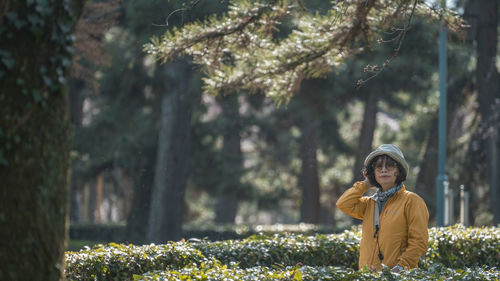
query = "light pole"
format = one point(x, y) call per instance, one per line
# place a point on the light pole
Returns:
point(442, 179)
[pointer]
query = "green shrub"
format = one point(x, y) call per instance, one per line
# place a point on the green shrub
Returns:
point(453, 246)
point(308, 273)
point(453, 251)
point(214, 270)
point(120, 262)
point(460, 247)
point(286, 249)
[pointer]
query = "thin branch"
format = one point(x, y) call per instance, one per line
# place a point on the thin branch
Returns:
point(376, 69)
point(193, 4)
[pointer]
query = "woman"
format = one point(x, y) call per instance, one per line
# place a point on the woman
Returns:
point(394, 219)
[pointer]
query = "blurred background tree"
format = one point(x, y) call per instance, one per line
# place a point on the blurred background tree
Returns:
point(153, 151)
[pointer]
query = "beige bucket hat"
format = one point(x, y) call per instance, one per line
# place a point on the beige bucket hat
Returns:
point(392, 151)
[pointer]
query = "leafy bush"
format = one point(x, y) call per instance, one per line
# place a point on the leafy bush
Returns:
point(120, 262)
point(214, 270)
point(455, 253)
point(286, 249)
point(308, 273)
point(460, 247)
point(453, 246)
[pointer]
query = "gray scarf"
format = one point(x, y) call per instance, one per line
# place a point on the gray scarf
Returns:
point(382, 196)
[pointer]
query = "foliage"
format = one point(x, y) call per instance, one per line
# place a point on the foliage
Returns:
point(214, 270)
point(241, 50)
point(455, 252)
point(258, 273)
point(460, 247)
point(118, 262)
point(96, 19)
point(286, 249)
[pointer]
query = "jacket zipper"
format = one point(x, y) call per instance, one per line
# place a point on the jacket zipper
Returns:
point(377, 246)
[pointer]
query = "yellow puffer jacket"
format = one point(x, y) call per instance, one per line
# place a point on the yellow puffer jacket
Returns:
point(402, 237)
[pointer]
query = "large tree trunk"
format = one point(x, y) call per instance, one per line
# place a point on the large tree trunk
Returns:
point(35, 139)
point(227, 202)
point(167, 201)
point(309, 180)
point(488, 91)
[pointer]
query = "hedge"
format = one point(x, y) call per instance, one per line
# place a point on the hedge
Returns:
point(453, 246)
point(308, 273)
point(120, 262)
point(460, 247)
point(452, 250)
point(286, 249)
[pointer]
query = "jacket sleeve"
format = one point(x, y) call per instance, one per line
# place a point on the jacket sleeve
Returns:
point(417, 217)
point(352, 201)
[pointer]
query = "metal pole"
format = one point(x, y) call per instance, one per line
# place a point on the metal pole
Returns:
point(464, 206)
point(448, 204)
point(442, 179)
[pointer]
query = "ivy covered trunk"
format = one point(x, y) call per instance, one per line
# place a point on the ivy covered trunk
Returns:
point(34, 137)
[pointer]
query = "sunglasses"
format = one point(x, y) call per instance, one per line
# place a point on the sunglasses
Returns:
point(389, 164)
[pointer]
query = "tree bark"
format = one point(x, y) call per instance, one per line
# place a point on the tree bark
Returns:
point(366, 135)
point(365, 140)
point(92, 200)
point(227, 202)
point(167, 201)
point(310, 208)
point(138, 218)
point(426, 179)
point(35, 138)
point(488, 91)
point(75, 89)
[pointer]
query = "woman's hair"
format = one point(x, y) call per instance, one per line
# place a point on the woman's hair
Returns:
point(369, 170)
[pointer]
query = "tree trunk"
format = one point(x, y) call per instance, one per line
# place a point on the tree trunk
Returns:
point(227, 202)
point(92, 200)
point(365, 140)
point(488, 91)
point(309, 180)
point(366, 135)
point(426, 179)
point(167, 201)
point(35, 138)
point(138, 218)
point(76, 87)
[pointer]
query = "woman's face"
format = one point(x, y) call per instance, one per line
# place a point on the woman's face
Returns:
point(386, 172)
